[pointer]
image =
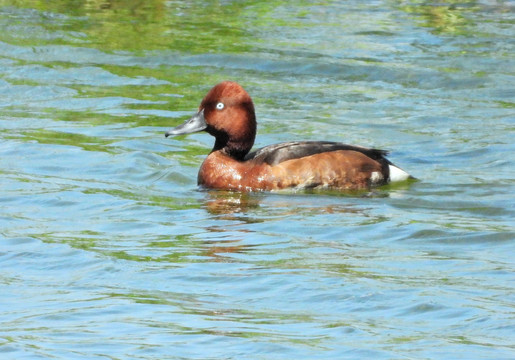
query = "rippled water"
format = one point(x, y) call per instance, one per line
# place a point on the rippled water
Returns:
point(109, 250)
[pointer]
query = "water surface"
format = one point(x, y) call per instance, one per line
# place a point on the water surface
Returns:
point(109, 250)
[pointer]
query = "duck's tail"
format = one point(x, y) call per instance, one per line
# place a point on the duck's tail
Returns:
point(397, 174)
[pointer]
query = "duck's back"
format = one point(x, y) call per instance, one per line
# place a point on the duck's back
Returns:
point(277, 153)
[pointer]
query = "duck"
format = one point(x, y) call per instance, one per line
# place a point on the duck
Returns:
point(227, 113)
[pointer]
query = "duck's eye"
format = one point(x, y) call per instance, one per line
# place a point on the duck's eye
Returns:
point(220, 106)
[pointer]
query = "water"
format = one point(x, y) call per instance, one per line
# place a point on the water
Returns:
point(109, 250)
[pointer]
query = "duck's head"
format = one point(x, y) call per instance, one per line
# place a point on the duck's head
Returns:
point(227, 113)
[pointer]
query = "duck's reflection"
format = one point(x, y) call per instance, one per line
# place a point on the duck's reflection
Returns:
point(231, 202)
point(234, 215)
point(234, 204)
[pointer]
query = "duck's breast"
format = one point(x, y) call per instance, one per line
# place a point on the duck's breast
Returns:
point(220, 171)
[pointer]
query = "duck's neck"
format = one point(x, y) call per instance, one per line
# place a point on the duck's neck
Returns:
point(237, 145)
point(235, 149)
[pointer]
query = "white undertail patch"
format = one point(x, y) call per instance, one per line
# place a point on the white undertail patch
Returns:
point(397, 174)
point(376, 177)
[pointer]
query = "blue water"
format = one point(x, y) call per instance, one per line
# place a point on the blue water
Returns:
point(109, 250)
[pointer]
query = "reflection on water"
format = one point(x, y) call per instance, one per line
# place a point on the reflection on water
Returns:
point(454, 17)
point(229, 202)
point(109, 249)
point(134, 25)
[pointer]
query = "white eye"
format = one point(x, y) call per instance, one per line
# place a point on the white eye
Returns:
point(220, 106)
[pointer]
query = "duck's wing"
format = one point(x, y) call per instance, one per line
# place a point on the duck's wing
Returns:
point(275, 154)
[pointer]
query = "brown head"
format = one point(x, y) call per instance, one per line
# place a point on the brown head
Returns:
point(227, 113)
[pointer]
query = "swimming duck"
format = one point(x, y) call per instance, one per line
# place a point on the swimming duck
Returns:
point(227, 113)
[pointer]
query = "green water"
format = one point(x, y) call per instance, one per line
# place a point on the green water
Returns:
point(109, 250)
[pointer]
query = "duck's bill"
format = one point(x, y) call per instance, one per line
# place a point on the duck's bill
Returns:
point(193, 124)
